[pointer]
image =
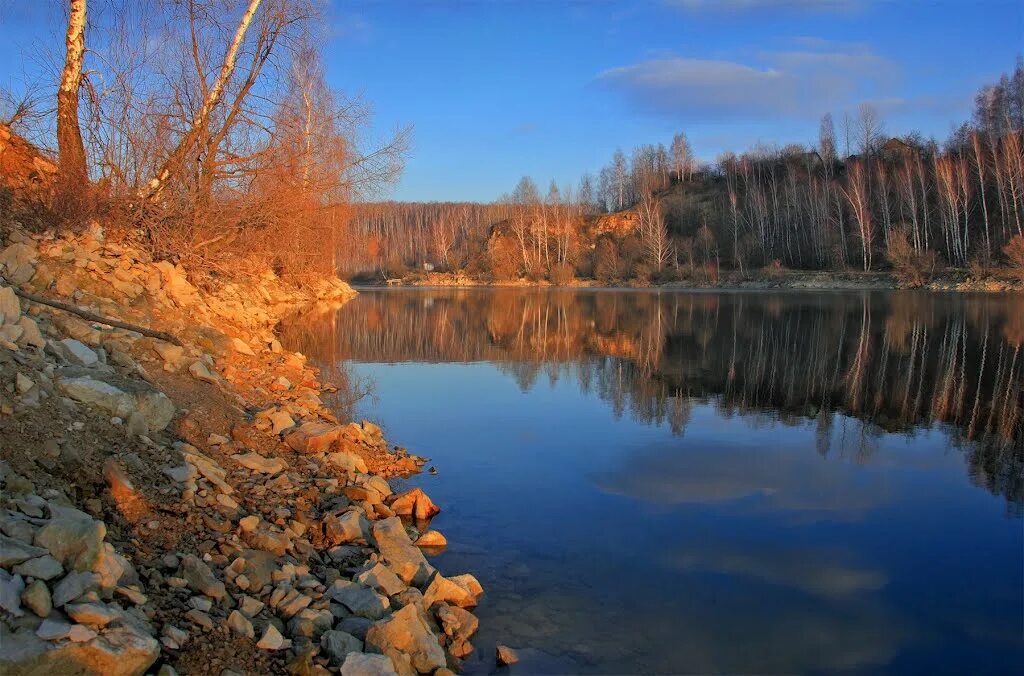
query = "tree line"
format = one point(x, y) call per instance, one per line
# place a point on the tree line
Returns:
point(857, 199)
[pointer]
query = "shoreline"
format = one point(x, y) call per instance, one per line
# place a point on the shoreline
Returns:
point(950, 281)
point(198, 506)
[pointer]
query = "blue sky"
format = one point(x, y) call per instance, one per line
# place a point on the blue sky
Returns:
point(499, 89)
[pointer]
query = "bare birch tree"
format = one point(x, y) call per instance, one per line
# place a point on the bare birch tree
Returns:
point(69, 134)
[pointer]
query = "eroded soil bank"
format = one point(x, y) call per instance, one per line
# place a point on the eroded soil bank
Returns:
point(196, 507)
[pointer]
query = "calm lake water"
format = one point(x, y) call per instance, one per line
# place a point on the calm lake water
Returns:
point(809, 482)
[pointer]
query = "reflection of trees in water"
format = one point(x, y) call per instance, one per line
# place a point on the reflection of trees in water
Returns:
point(853, 364)
point(324, 348)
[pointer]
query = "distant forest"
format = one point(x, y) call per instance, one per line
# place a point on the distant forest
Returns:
point(857, 199)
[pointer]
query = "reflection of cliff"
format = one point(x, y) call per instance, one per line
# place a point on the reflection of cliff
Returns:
point(893, 361)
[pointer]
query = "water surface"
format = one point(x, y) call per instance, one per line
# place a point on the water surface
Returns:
point(801, 482)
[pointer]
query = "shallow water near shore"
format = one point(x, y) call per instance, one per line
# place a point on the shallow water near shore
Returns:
point(646, 482)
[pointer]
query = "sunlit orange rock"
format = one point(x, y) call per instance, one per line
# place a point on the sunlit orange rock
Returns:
point(414, 503)
point(313, 437)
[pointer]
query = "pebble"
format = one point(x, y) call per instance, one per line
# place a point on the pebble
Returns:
point(272, 639)
point(79, 633)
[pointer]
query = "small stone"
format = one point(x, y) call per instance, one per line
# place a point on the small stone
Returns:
point(200, 603)
point(37, 598)
point(281, 422)
point(431, 538)
point(177, 636)
point(250, 607)
point(272, 639)
point(239, 624)
point(226, 501)
point(91, 614)
point(23, 383)
point(242, 347)
point(53, 629)
point(134, 596)
point(201, 372)
point(73, 586)
point(78, 353)
point(200, 618)
point(506, 656)
point(14, 551)
point(41, 568)
point(79, 633)
point(258, 463)
point(200, 578)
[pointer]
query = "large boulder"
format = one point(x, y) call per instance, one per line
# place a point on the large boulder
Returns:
point(443, 590)
point(363, 664)
point(407, 631)
point(156, 409)
point(347, 462)
point(338, 644)
point(73, 538)
point(121, 650)
point(401, 555)
point(360, 600)
point(350, 526)
point(382, 579)
point(313, 437)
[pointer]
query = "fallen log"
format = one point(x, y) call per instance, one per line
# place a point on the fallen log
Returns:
point(99, 319)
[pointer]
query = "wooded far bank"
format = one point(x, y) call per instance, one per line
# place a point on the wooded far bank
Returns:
point(857, 199)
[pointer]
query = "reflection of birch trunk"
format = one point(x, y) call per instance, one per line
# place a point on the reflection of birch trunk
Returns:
point(971, 426)
point(856, 375)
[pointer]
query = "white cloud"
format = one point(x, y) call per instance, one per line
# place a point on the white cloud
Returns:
point(798, 82)
point(819, 571)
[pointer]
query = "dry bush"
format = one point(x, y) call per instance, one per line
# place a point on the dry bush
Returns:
point(774, 270)
point(1014, 251)
point(562, 274)
point(606, 260)
point(708, 272)
point(912, 268)
point(980, 267)
point(503, 258)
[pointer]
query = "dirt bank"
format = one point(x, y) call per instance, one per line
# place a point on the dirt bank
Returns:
point(196, 508)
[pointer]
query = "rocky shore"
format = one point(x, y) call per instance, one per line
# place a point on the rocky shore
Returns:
point(191, 505)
